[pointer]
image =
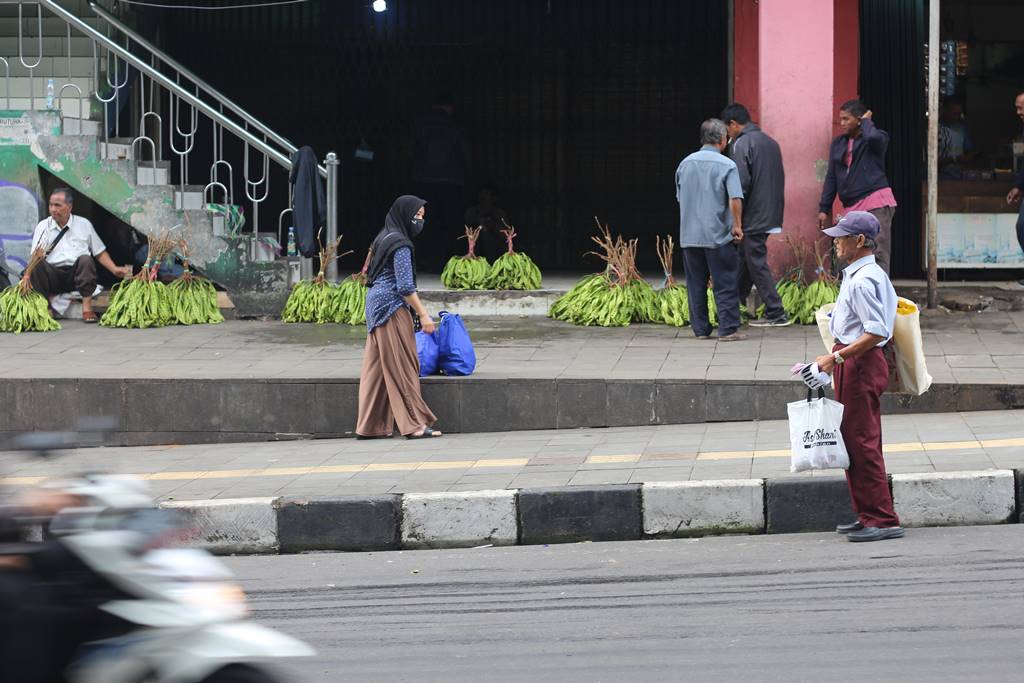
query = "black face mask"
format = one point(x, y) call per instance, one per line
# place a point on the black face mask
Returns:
point(415, 226)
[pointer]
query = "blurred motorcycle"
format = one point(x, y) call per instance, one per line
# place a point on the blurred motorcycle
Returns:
point(143, 610)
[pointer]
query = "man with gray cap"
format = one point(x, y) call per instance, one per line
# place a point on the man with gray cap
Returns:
point(862, 323)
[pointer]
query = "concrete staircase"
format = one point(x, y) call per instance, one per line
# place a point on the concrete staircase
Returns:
point(118, 173)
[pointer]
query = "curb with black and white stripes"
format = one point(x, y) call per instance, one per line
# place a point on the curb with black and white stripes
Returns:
point(359, 523)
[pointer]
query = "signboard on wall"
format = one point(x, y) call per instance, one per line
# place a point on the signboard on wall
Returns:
point(979, 240)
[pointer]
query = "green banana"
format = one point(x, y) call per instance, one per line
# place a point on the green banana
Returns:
point(514, 270)
point(466, 272)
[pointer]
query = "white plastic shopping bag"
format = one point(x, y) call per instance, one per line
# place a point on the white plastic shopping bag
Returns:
point(911, 370)
point(817, 443)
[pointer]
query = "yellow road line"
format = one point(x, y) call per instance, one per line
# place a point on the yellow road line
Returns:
point(607, 459)
point(423, 465)
point(1002, 443)
point(502, 462)
point(949, 445)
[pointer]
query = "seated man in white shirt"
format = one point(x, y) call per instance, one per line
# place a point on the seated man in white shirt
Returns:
point(70, 262)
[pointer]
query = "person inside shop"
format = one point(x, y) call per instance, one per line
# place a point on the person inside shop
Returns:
point(1017, 191)
point(389, 381)
point(955, 148)
point(486, 214)
point(72, 250)
point(440, 156)
point(856, 172)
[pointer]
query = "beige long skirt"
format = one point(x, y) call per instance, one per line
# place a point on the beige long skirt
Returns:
point(389, 382)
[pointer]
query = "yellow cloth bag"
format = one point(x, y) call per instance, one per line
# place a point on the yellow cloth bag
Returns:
point(911, 370)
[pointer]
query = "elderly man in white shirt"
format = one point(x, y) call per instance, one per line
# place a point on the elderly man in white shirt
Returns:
point(71, 254)
point(862, 323)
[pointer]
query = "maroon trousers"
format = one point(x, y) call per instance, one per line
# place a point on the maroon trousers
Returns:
point(859, 384)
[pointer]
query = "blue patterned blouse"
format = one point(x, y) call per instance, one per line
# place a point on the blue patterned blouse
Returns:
point(385, 296)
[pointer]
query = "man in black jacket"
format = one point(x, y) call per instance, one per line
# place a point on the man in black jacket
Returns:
point(856, 172)
point(759, 161)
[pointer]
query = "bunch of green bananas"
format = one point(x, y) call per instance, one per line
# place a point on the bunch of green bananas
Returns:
point(22, 309)
point(595, 300)
point(513, 270)
point(642, 302)
point(194, 301)
point(139, 303)
point(674, 305)
point(592, 301)
point(792, 294)
point(466, 272)
point(348, 302)
point(308, 302)
point(817, 294)
point(713, 310)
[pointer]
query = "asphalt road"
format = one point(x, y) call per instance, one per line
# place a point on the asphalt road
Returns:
point(938, 605)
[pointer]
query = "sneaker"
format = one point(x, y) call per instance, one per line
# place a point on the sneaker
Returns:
point(784, 321)
point(871, 533)
point(735, 336)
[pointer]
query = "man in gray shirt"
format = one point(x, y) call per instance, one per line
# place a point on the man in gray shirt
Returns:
point(759, 162)
point(710, 226)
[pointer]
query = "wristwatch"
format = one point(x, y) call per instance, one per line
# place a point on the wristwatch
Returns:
point(838, 358)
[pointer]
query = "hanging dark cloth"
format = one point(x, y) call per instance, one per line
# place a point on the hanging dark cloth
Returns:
point(400, 226)
point(309, 210)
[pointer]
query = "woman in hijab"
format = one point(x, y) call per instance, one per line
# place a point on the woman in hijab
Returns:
point(389, 383)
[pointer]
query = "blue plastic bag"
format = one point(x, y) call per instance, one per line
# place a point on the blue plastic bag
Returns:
point(428, 352)
point(457, 354)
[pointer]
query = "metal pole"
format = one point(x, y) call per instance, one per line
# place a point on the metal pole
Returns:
point(332, 209)
point(933, 153)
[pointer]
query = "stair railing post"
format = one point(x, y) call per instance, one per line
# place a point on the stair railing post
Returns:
point(332, 209)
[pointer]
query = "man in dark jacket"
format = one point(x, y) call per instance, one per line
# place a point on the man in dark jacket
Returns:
point(440, 156)
point(856, 171)
point(759, 162)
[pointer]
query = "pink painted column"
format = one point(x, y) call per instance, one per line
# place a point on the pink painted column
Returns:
point(796, 83)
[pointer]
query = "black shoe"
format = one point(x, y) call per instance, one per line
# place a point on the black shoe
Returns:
point(847, 528)
point(875, 533)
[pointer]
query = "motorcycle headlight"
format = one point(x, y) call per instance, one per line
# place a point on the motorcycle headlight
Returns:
point(221, 599)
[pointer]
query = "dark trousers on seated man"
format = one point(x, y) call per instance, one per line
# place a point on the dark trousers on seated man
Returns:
point(754, 271)
point(50, 280)
point(722, 265)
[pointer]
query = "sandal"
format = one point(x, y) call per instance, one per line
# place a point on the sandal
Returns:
point(89, 317)
point(427, 433)
point(364, 437)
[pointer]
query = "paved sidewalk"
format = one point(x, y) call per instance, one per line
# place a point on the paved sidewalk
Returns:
point(914, 443)
point(961, 347)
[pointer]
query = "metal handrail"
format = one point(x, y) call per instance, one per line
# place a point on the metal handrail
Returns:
point(282, 160)
point(206, 87)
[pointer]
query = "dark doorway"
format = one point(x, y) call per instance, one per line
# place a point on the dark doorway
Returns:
point(572, 108)
point(892, 84)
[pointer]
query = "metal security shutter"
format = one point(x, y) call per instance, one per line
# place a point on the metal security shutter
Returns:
point(572, 107)
point(892, 84)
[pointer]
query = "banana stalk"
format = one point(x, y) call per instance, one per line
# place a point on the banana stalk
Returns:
point(469, 271)
point(313, 301)
point(22, 309)
point(672, 301)
point(142, 301)
point(513, 270)
point(614, 298)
